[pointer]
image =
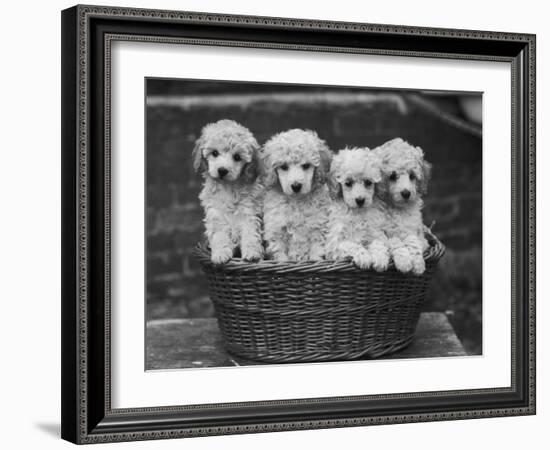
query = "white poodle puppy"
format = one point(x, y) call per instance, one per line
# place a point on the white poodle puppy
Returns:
point(226, 153)
point(405, 176)
point(295, 166)
point(357, 215)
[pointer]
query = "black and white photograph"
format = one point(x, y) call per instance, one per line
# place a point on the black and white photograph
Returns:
point(290, 223)
point(283, 223)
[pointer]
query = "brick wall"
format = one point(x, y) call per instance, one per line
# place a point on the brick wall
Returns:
point(175, 286)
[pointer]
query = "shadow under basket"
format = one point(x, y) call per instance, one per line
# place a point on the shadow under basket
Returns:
point(280, 312)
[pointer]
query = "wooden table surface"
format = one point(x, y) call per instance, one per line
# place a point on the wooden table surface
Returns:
point(186, 343)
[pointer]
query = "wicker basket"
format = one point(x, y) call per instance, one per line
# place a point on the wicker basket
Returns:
point(315, 311)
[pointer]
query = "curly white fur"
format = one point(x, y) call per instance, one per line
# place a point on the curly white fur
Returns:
point(226, 152)
point(295, 165)
point(405, 176)
point(357, 216)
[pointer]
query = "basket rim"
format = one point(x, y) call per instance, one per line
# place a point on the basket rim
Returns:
point(202, 253)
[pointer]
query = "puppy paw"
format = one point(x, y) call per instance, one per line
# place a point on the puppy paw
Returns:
point(251, 253)
point(362, 259)
point(418, 265)
point(221, 255)
point(403, 262)
point(280, 256)
point(380, 262)
point(316, 255)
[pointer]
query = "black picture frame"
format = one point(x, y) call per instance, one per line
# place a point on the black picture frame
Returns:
point(87, 33)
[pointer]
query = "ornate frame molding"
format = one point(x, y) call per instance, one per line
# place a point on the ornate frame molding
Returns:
point(80, 423)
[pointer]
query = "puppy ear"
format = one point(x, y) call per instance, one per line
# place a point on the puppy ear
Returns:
point(266, 161)
point(426, 175)
point(267, 174)
point(334, 187)
point(374, 163)
point(424, 169)
point(381, 188)
point(251, 169)
point(321, 174)
point(199, 162)
point(326, 158)
point(270, 178)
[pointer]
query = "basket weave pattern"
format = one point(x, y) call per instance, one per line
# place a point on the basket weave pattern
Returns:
point(315, 311)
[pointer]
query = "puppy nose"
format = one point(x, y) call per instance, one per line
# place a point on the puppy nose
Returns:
point(360, 201)
point(222, 172)
point(405, 193)
point(296, 187)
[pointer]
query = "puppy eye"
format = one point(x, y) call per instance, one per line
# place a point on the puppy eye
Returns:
point(393, 176)
point(284, 167)
point(215, 153)
point(306, 166)
point(412, 176)
point(368, 183)
point(237, 157)
point(349, 183)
